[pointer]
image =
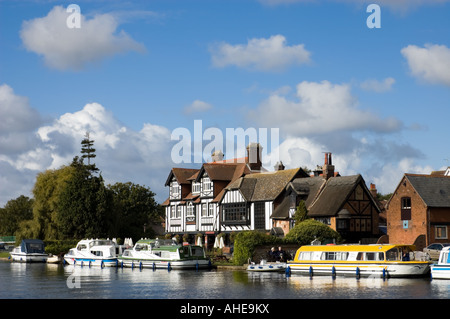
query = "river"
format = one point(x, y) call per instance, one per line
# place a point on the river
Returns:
point(53, 281)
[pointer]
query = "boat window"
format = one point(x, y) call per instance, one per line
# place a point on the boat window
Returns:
point(392, 254)
point(305, 255)
point(374, 256)
point(81, 246)
point(185, 251)
point(342, 255)
point(197, 251)
point(97, 252)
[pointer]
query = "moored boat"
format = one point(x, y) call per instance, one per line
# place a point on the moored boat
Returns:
point(160, 253)
point(93, 252)
point(265, 266)
point(441, 270)
point(387, 260)
point(30, 250)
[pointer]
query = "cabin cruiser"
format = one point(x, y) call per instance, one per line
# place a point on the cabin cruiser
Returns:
point(30, 250)
point(94, 252)
point(168, 254)
point(441, 270)
point(359, 260)
point(265, 266)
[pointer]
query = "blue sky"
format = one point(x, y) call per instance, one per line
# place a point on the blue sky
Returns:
point(377, 98)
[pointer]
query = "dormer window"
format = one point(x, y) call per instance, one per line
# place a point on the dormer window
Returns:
point(196, 187)
point(206, 184)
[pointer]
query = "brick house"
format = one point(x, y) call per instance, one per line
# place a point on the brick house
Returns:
point(419, 210)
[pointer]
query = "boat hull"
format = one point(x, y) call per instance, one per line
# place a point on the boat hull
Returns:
point(164, 264)
point(99, 262)
point(29, 258)
point(271, 267)
point(412, 269)
point(440, 271)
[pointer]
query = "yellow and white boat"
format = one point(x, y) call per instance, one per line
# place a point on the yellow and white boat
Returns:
point(358, 260)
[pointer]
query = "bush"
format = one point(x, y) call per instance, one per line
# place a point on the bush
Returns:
point(57, 247)
point(245, 243)
point(305, 232)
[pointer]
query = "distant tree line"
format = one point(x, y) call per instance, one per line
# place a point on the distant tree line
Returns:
point(73, 202)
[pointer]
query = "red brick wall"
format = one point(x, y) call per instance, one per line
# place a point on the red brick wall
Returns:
point(417, 225)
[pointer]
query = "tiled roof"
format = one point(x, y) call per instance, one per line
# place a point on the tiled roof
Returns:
point(434, 191)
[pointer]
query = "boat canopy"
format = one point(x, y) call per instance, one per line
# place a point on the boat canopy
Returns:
point(33, 246)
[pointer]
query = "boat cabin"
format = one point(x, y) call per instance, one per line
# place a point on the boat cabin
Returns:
point(32, 246)
point(356, 253)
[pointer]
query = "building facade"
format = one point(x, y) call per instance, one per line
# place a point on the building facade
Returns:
point(419, 210)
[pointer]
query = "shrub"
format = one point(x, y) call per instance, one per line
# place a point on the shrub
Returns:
point(57, 247)
point(245, 243)
point(305, 232)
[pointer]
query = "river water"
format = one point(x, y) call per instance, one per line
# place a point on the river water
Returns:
point(50, 281)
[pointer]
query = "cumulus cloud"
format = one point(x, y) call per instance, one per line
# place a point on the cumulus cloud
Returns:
point(66, 48)
point(378, 86)
point(320, 108)
point(123, 154)
point(272, 54)
point(430, 63)
point(197, 106)
point(18, 121)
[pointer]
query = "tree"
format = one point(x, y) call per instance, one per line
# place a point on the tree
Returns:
point(305, 232)
point(301, 213)
point(88, 152)
point(84, 204)
point(14, 212)
point(134, 209)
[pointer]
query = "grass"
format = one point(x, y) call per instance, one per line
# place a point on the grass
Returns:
point(4, 254)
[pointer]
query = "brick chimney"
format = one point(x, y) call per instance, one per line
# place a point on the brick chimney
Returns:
point(254, 151)
point(373, 190)
point(328, 167)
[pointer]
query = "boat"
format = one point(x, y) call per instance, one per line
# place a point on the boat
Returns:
point(94, 252)
point(441, 270)
point(387, 260)
point(30, 250)
point(164, 253)
point(265, 266)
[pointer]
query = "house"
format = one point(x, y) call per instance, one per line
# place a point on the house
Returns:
point(419, 210)
point(226, 196)
point(343, 203)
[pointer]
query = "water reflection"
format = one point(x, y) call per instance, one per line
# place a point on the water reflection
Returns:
point(19, 280)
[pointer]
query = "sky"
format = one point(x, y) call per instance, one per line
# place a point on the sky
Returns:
point(160, 84)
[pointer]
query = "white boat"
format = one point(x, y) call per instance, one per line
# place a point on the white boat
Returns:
point(359, 260)
point(160, 253)
point(267, 267)
point(30, 250)
point(94, 252)
point(441, 270)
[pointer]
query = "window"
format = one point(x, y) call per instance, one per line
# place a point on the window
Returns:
point(190, 210)
point(260, 215)
point(210, 209)
point(196, 187)
point(204, 210)
point(235, 213)
point(440, 232)
point(406, 208)
point(206, 184)
point(178, 215)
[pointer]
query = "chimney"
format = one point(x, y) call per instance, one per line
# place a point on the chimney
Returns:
point(254, 151)
point(279, 166)
point(328, 168)
point(373, 190)
point(217, 156)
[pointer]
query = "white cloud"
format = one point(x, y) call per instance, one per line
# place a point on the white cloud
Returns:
point(262, 54)
point(378, 86)
point(321, 108)
point(123, 154)
point(430, 63)
point(197, 106)
point(73, 48)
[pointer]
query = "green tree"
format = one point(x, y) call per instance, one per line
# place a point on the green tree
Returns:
point(14, 212)
point(306, 231)
point(84, 204)
point(88, 152)
point(134, 210)
point(46, 190)
point(301, 213)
